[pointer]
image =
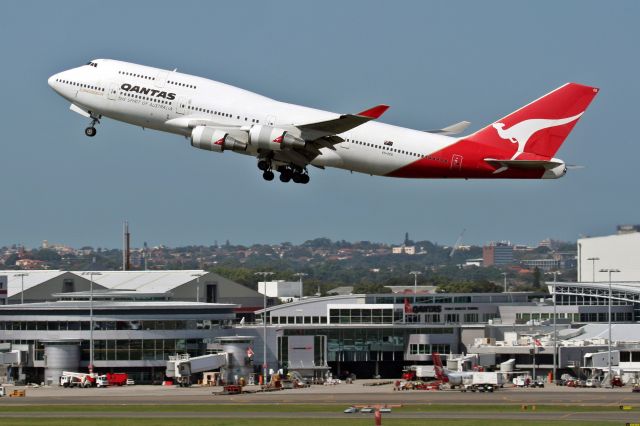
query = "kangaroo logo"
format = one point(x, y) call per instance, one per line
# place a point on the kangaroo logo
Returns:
point(521, 132)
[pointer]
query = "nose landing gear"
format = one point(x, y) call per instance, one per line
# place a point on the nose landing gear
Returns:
point(91, 130)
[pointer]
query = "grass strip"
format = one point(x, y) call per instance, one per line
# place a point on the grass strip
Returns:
point(294, 408)
point(71, 421)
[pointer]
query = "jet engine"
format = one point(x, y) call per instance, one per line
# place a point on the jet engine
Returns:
point(273, 139)
point(216, 140)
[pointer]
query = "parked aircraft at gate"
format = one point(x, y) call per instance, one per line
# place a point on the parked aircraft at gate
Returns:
point(287, 138)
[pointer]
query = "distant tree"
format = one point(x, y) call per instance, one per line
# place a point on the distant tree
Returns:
point(470, 287)
point(11, 260)
point(370, 288)
point(537, 278)
point(46, 255)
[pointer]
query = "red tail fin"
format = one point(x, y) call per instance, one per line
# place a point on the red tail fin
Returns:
point(540, 127)
point(437, 366)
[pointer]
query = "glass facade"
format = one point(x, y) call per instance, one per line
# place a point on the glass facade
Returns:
point(129, 350)
point(109, 325)
point(427, 349)
point(368, 344)
point(139, 349)
point(361, 316)
point(523, 318)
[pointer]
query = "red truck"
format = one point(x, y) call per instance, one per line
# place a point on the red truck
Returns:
point(112, 379)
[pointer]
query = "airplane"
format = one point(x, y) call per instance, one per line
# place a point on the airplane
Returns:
point(288, 138)
point(453, 378)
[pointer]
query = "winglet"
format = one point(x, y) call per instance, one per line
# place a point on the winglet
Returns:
point(374, 112)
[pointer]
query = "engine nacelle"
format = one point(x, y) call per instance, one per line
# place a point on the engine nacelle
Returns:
point(273, 139)
point(215, 140)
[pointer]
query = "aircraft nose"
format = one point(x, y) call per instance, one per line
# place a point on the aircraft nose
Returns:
point(52, 81)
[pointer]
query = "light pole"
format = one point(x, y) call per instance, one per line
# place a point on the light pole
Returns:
point(610, 271)
point(91, 274)
point(555, 330)
point(415, 284)
point(21, 275)
point(300, 275)
point(264, 276)
point(198, 275)
point(593, 265)
point(504, 275)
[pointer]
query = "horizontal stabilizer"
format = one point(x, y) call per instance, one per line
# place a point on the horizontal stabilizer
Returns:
point(524, 164)
point(454, 129)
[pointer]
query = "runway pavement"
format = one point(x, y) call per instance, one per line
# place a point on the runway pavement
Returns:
point(336, 398)
point(622, 416)
point(343, 394)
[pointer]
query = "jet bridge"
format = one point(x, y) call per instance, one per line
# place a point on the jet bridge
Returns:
point(182, 367)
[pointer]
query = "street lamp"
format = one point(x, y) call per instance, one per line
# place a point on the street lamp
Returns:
point(300, 275)
point(555, 330)
point(91, 274)
point(610, 271)
point(198, 275)
point(21, 275)
point(264, 276)
point(593, 265)
point(415, 284)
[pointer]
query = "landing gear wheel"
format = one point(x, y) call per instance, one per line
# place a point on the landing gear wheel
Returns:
point(90, 131)
point(305, 179)
point(263, 165)
point(285, 175)
point(297, 177)
point(268, 175)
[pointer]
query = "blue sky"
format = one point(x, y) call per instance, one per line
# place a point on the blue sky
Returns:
point(435, 63)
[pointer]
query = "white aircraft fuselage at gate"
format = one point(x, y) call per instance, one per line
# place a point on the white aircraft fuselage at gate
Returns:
point(287, 138)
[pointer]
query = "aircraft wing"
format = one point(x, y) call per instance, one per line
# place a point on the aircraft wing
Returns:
point(344, 123)
point(190, 122)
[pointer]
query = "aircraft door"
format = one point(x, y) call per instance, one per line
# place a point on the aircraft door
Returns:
point(161, 78)
point(113, 91)
point(271, 120)
point(181, 105)
point(456, 162)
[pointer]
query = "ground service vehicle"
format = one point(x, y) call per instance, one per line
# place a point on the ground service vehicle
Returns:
point(483, 381)
point(112, 379)
point(70, 379)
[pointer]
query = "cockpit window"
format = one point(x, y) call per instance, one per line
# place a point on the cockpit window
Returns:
point(93, 64)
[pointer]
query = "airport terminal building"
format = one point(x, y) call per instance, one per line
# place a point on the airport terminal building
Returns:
point(141, 318)
point(378, 335)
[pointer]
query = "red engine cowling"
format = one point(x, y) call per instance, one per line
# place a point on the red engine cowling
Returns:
point(215, 140)
point(273, 139)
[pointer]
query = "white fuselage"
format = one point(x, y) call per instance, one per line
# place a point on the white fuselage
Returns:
point(162, 98)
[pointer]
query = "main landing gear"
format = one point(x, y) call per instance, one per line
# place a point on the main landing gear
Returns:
point(287, 173)
point(265, 166)
point(91, 130)
point(296, 174)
